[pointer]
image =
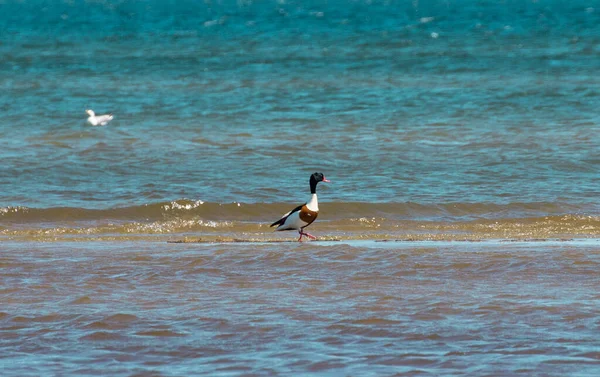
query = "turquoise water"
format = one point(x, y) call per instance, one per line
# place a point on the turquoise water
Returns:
point(241, 101)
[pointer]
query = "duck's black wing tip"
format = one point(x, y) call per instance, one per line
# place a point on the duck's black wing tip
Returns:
point(284, 217)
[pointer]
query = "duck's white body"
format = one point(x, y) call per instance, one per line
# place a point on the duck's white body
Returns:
point(294, 219)
point(98, 120)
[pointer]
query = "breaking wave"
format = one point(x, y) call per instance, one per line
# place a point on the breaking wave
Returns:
point(195, 219)
point(257, 212)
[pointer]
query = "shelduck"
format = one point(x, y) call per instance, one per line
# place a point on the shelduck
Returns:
point(303, 215)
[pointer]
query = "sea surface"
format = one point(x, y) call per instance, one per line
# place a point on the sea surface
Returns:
point(459, 234)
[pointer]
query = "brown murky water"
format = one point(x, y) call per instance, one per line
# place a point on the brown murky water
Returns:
point(342, 308)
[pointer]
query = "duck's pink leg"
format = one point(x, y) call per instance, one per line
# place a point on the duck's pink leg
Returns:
point(302, 233)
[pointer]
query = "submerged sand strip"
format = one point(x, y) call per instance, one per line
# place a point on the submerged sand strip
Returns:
point(390, 240)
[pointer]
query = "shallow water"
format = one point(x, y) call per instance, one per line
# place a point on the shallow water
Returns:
point(331, 308)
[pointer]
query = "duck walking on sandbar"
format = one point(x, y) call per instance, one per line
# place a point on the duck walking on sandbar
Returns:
point(303, 215)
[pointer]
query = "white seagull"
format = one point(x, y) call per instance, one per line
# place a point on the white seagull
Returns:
point(98, 120)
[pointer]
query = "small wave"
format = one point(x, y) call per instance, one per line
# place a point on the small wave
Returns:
point(175, 205)
point(122, 318)
point(113, 322)
point(212, 222)
point(103, 336)
point(159, 333)
point(82, 300)
point(363, 212)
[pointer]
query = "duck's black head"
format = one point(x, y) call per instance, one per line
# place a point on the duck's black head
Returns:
point(314, 179)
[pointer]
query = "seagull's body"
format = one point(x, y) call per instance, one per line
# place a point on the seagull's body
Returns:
point(303, 215)
point(98, 120)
